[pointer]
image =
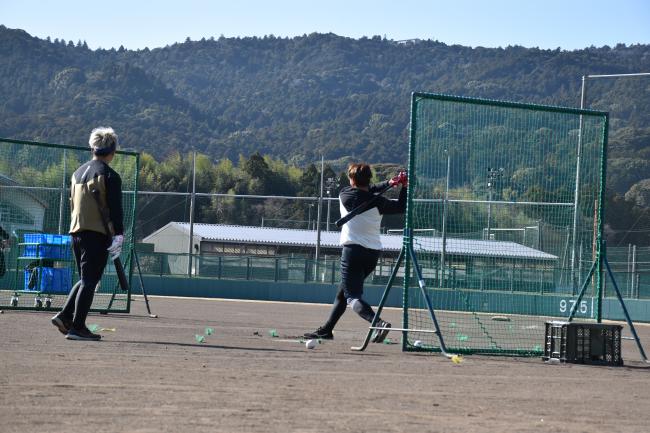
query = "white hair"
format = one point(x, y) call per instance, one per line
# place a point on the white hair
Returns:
point(102, 138)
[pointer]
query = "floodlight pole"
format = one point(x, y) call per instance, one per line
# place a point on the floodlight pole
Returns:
point(62, 198)
point(492, 175)
point(583, 98)
point(320, 203)
point(192, 200)
point(576, 194)
point(445, 204)
point(331, 184)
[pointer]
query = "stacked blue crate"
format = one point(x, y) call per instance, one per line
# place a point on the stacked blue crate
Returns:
point(53, 247)
point(43, 245)
point(54, 281)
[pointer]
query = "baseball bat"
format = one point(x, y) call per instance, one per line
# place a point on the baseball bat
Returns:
point(119, 269)
point(362, 207)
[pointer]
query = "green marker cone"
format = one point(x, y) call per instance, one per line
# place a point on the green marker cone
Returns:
point(273, 333)
point(199, 338)
point(93, 328)
point(209, 331)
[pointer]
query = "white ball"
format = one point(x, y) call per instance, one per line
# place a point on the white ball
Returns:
point(310, 344)
point(417, 343)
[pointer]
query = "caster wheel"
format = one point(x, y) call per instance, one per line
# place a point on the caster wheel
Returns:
point(38, 303)
point(14, 301)
point(48, 303)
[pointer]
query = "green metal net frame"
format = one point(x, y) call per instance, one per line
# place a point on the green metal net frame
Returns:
point(521, 283)
point(35, 214)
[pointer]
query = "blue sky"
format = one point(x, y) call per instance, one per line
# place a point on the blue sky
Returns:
point(137, 24)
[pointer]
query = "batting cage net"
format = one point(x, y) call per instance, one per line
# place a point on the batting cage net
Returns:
point(504, 216)
point(37, 266)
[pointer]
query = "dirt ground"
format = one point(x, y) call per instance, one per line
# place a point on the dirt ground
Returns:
point(151, 375)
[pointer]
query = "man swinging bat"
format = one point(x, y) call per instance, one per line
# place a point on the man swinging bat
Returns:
point(361, 244)
point(95, 189)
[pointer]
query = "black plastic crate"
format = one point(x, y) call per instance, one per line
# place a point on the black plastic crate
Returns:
point(583, 343)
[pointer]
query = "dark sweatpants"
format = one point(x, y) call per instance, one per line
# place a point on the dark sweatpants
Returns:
point(357, 263)
point(90, 254)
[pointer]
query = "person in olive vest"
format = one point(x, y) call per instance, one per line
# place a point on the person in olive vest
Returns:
point(94, 184)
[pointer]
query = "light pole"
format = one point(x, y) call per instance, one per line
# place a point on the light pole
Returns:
point(492, 175)
point(445, 206)
point(192, 204)
point(331, 184)
point(583, 101)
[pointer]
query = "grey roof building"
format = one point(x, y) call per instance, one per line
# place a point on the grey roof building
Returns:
point(239, 240)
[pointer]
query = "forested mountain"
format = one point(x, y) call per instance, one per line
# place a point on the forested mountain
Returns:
point(297, 98)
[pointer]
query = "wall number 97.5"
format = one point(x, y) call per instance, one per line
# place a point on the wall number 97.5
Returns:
point(567, 305)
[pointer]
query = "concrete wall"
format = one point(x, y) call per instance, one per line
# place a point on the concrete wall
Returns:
point(543, 305)
point(256, 290)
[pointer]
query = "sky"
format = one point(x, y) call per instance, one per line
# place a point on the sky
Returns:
point(547, 24)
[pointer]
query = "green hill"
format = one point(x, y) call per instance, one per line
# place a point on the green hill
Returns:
point(297, 98)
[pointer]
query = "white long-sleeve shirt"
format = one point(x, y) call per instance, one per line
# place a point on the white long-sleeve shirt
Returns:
point(364, 229)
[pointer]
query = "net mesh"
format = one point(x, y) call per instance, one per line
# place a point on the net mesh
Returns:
point(38, 265)
point(504, 218)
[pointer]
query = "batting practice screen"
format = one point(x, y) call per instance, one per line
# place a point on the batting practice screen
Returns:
point(38, 268)
point(505, 208)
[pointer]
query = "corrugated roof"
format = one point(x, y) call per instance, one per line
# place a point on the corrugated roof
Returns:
point(307, 238)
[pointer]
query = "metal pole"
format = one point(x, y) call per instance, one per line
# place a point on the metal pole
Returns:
point(320, 202)
point(634, 288)
point(638, 74)
point(62, 198)
point(576, 195)
point(329, 205)
point(443, 250)
point(191, 239)
point(489, 213)
point(582, 106)
point(629, 267)
point(309, 216)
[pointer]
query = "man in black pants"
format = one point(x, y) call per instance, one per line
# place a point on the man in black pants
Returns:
point(90, 241)
point(361, 246)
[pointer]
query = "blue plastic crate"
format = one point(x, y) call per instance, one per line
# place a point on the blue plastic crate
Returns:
point(48, 246)
point(51, 280)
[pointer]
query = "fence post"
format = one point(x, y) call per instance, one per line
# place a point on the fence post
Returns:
point(219, 267)
point(306, 270)
point(276, 275)
point(248, 268)
point(333, 272)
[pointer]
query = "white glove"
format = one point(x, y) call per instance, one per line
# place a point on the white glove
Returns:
point(116, 246)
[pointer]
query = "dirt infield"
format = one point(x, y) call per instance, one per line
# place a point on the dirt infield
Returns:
point(151, 375)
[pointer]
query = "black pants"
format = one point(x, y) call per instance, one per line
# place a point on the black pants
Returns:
point(357, 263)
point(90, 254)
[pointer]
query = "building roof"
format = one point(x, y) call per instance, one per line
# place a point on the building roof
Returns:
point(307, 238)
point(7, 181)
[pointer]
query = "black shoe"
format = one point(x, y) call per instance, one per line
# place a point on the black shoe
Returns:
point(82, 334)
point(62, 323)
point(321, 333)
point(380, 334)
